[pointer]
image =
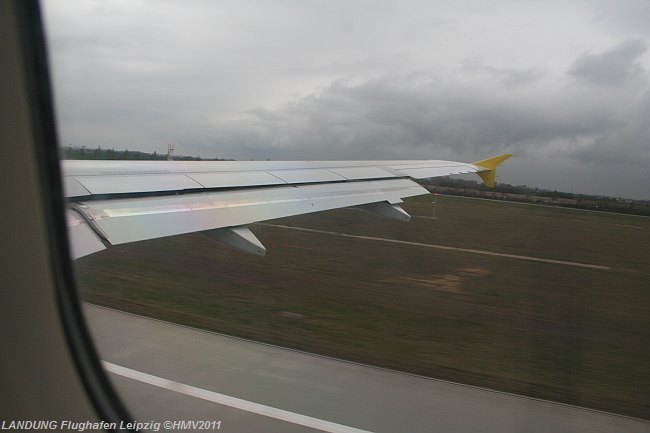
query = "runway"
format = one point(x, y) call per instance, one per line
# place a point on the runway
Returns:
point(165, 372)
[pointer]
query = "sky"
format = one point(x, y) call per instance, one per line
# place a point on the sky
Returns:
point(562, 85)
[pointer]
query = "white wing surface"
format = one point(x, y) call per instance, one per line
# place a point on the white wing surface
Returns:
point(115, 202)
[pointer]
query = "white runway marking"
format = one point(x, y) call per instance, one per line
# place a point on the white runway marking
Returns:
point(627, 225)
point(442, 247)
point(226, 400)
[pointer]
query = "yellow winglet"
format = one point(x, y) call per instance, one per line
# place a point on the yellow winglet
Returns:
point(489, 167)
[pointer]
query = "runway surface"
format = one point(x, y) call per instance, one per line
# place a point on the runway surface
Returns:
point(165, 371)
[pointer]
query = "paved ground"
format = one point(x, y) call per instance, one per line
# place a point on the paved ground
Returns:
point(168, 372)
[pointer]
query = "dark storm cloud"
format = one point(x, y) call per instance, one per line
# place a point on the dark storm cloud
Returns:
point(426, 114)
point(602, 129)
point(617, 65)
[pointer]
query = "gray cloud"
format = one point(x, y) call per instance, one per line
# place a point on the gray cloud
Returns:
point(617, 65)
point(406, 80)
point(436, 116)
point(431, 113)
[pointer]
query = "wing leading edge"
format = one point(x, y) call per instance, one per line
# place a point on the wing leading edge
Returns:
point(115, 202)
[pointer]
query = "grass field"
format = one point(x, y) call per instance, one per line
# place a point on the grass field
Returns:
point(568, 333)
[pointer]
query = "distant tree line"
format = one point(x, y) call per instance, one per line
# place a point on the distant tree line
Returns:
point(83, 152)
point(526, 194)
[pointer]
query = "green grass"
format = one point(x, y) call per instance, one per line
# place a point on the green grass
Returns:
point(569, 334)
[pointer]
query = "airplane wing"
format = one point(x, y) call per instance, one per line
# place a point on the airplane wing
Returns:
point(115, 202)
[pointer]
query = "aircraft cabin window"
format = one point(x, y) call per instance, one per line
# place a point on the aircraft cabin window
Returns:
point(333, 216)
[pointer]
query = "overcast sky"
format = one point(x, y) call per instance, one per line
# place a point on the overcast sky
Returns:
point(564, 86)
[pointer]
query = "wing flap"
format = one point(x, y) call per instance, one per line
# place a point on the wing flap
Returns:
point(136, 219)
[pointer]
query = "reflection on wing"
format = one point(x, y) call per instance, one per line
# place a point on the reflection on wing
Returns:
point(114, 202)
